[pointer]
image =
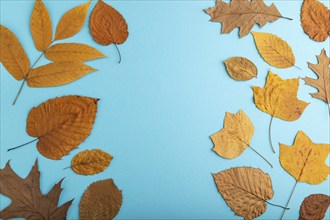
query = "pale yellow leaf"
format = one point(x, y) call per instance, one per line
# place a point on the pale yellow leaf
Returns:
point(240, 68)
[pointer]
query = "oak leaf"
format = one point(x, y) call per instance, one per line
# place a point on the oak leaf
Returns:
point(314, 207)
point(240, 68)
point(27, 200)
point(243, 14)
point(245, 189)
point(89, 162)
point(13, 56)
point(61, 124)
point(101, 200)
point(275, 51)
point(315, 20)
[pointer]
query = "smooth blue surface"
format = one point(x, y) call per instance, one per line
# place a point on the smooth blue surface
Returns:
point(161, 104)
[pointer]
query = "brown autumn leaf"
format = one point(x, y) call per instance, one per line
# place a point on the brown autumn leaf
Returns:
point(57, 73)
point(315, 20)
point(41, 26)
point(89, 162)
point(13, 56)
point(243, 14)
point(101, 200)
point(72, 52)
point(314, 207)
point(27, 200)
point(61, 124)
point(240, 68)
point(245, 190)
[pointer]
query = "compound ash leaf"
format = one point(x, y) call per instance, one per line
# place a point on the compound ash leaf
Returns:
point(27, 200)
point(89, 162)
point(41, 26)
point(240, 68)
point(72, 52)
point(314, 207)
point(101, 200)
point(13, 56)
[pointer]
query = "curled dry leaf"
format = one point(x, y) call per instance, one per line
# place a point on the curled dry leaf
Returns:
point(61, 124)
point(41, 26)
point(240, 68)
point(314, 207)
point(27, 200)
point(13, 56)
point(275, 51)
point(101, 200)
point(89, 162)
point(315, 20)
point(245, 189)
point(72, 52)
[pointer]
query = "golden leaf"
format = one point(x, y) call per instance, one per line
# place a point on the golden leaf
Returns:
point(275, 51)
point(72, 52)
point(240, 68)
point(61, 124)
point(41, 26)
point(72, 22)
point(89, 162)
point(314, 207)
point(57, 73)
point(13, 56)
point(315, 20)
point(245, 190)
point(101, 200)
point(242, 14)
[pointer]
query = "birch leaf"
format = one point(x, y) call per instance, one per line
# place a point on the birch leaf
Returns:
point(240, 68)
point(41, 26)
point(314, 207)
point(275, 51)
point(13, 56)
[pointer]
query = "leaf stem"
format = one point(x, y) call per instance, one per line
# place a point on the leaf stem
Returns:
point(329, 109)
point(297, 67)
point(286, 206)
point(261, 156)
point(13, 148)
point(118, 52)
point(270, 133)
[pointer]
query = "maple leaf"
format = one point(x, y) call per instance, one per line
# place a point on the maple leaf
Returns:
point(314, 207)
point(243, 14)
point(240, 68)
point(27, 200)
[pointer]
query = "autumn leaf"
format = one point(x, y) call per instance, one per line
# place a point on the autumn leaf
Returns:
point(27, 200)
point(243, 14)
point(315, 20)
point(305, 161)
point(314, 207)
point(13, 56)
point(279, 99)
point(89, 162)
point(235, 137)
point(41, 26)
point(240, 68)
point(101, 200)
point(72, 52)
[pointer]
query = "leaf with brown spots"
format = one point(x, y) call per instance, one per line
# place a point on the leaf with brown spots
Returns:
point(240, 68)
point(314, 207)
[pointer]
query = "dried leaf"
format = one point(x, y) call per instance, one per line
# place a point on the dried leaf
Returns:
point(41, 26)
point(240, 68)
point(314, 207)
point(72, 52)
point(57, 73)
point(245, 189)
point(61, 124)
point(72, 22)
point(101, 200)
point(242, 14)
point(315, 20)
point(107, 25)
point(279, 98)
point(89, 162)
point(13, 56)
point(27, 200)
point(322, 83)
point(275, 51)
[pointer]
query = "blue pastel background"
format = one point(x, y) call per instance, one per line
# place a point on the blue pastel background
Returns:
point(161, 104)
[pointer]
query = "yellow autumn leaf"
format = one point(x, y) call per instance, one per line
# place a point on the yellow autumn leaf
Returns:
point(275, 51)
point(41, 26)
point(72, 52)
point(57, 73)
point(13, 56)
point(72, 22)
point(240, 68)
point(89, 162)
